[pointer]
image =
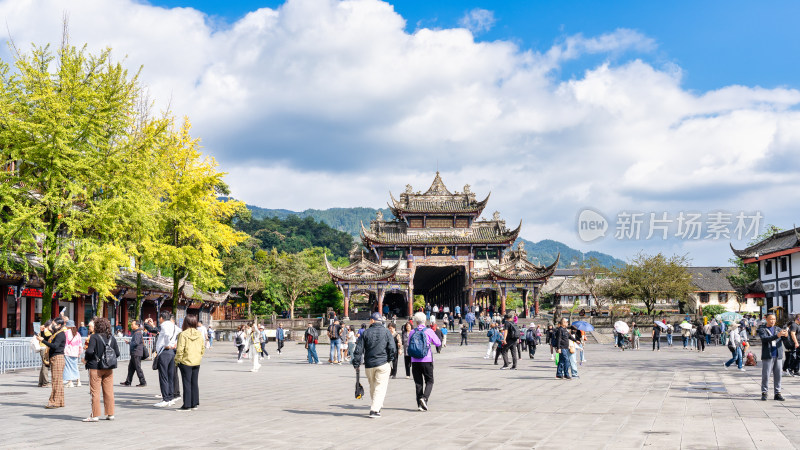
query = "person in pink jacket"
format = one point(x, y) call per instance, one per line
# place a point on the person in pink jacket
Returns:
point(422, 368)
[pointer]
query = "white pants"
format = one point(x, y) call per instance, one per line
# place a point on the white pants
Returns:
point(254, 356)
point(378, 378)
point(490, 350)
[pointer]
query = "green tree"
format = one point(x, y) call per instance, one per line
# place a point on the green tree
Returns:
point(298, 273)
point(591, 274)
point(650, 278)
point(713, 310)
point(65, 123)
point(243, 272)
point(326, 296)
point(194, 223)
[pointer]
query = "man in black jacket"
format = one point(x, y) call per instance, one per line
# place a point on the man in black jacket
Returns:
point(376, 348)
point(561, 338)
point(771, 356)
point(137, 352)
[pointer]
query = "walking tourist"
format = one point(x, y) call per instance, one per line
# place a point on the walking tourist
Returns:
point(735, 345)
point(166, 343)
point(137, 353)
point(574, 347)
point(771, 356)
point(254, 346)
point(549, 339)
point(188, 356)
point(464, 335)
point(530, 338)
point(55, 344)
point(239, 340)
point(264, 339)
point(407, 327)
point(510, 337)
point(72, 351)
point(637, 334)
point(561, 340)
point(421, 339)
point(444, 335)
point(334, 332)
point(280, 336)
point(398, 342)
point(101, 368)
point(470, 320)
point(686, 334)
point(656, 337)
point(701, 336)
point(44, 354)
point(438, 332)
point(310, 338)
point(791, 361)
point(83, 330)
point(670, 329)
point(376, 349)
point(351, 342)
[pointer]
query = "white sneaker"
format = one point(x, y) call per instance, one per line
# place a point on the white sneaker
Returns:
point(109, 417)
point(175, 400)
point(171, 402)
point(742, 369)
point(162, 404)
point(79, 383)
point(69, 385)
point(267, 356)
point(253, 370)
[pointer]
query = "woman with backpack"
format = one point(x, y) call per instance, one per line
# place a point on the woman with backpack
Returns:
point(420, 340)
point(530, 338)
point(238, 340)
point(101, 360)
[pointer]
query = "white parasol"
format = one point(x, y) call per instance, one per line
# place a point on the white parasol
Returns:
point(662, 325)
point(621, 327)
point(685, 325)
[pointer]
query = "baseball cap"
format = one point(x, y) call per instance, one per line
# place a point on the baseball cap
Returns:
point(376, 316)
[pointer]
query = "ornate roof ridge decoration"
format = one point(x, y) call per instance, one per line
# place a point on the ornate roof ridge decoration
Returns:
point(489, 233)
point(362, 270)
point(517, 267)
point(437, 187)
point(777, 242)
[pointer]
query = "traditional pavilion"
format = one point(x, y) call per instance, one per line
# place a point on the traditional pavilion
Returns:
point(437, 246)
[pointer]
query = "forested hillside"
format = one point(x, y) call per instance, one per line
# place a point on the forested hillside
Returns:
point(293, 234)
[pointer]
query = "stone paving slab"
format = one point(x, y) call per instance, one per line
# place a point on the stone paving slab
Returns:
point(634, 399)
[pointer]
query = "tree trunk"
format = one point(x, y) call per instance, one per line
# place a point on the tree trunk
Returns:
point(176, 279)
point(47, 298)
point(139, 296)
point(249, 306)
point(100, 304)
point(292, 300)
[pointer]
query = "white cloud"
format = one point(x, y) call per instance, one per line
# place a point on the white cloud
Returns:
point(478, 20)
point(323, 103)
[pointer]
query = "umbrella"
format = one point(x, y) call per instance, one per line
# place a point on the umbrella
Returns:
point(621, 327)
point(685, 325)
point(729, 316)
point(661, 324)
point(359, 387)
point(583, 325)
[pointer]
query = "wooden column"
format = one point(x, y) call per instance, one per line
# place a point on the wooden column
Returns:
point(525, 303)
point(346, 305)
point(410, 297)
point(3, 309)
point(536, 302)
point(124, 314)
point(380, 301)
point(502, 300)
point(80, 308)
point(54, 308)
point(29, 319)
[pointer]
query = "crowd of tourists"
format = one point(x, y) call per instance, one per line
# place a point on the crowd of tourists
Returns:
point(381, 346)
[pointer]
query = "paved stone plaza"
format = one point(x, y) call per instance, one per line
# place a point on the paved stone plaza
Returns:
point(668, 399)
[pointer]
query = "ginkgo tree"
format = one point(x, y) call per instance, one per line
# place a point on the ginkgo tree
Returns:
point(194, 221)
point(65, 122)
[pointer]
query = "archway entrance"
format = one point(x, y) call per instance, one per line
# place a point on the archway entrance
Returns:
point(396, 302)
point(442, 286)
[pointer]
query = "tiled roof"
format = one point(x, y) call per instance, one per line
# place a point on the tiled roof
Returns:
point(519, 268)
point(362, 270)
point(482, 234)
point(784, 240)
point(437, 199)
point(711, 279)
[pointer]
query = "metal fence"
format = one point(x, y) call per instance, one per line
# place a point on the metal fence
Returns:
point(18, 354)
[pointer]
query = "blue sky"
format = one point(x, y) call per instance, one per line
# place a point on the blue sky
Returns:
point(555, 107)
point(716, 43)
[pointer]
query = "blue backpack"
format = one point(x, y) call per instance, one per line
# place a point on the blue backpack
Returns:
point(418, 346)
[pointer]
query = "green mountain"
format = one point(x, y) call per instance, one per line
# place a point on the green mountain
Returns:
point(349, 221)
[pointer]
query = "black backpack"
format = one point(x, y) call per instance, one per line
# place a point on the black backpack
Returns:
point(513, 333)
point(107, 359)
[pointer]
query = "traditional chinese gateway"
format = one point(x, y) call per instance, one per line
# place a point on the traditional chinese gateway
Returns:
point(437, 246)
